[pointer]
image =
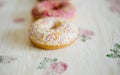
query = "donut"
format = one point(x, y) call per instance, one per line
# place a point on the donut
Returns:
point(54, 8)
point(52, 33)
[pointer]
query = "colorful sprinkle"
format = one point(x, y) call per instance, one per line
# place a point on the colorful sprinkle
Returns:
point(52, 36)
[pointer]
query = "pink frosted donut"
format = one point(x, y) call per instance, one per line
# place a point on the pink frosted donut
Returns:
point(53, 8)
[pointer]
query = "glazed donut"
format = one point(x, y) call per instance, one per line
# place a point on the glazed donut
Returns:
point(53, 8)
point(52, 33)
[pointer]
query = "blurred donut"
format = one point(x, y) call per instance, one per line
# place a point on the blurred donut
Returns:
point(53, 8)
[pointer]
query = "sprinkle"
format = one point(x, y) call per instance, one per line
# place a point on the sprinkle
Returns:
point(62, 35)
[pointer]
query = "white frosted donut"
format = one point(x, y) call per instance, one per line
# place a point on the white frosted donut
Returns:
point(52, 33)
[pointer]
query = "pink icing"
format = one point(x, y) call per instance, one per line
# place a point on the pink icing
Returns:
point(62, 9)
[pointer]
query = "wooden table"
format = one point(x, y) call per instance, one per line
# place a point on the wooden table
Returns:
point(98, 20)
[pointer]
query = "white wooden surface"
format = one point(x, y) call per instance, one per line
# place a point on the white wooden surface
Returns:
point(83, 58)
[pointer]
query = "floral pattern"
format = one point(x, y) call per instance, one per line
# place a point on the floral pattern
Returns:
point(2, 3)
point(85, 34)
point(6, 59)
point(18, 20)
point(115, 51)
point(52, 67)
point(114, 5)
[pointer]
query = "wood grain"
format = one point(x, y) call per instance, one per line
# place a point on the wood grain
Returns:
point(83, 58)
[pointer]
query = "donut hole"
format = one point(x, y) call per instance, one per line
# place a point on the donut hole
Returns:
point(59, 6)
point(56, 25)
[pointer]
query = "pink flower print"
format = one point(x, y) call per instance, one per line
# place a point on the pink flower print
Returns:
point(58, 67)
point(1, 4)
point(52, 67)
point(18, 20)
point(115, 6)
point(85, 33)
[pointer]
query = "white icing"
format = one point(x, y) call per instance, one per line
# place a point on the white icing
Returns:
point(42, 33)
